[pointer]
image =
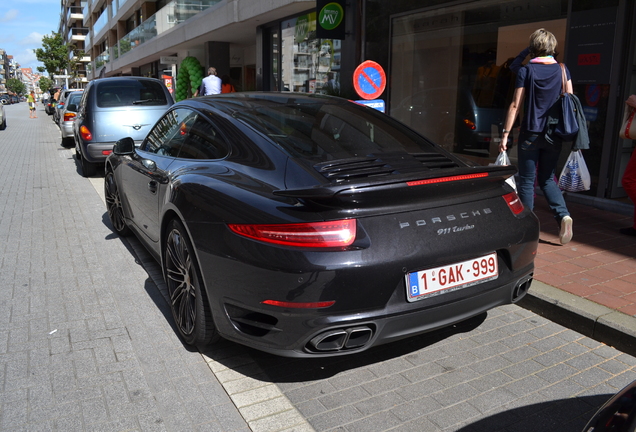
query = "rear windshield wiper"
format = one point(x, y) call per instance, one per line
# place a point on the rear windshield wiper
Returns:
point(137, 102)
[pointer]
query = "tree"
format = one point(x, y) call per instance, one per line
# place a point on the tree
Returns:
point(16, 86)
point(45, 84)
point(54, 54)
point(75, 64)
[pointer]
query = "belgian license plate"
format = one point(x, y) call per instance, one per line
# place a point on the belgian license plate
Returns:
point(451, 277)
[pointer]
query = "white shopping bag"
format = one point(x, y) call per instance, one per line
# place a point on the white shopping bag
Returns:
point(575, 176)
point(503, 159)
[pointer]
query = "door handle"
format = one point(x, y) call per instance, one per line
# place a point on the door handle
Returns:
point(152, 187)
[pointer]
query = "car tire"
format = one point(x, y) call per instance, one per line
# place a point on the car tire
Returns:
point(114, 206)
point(188, 298)
point(89, 169)
point(3, 126)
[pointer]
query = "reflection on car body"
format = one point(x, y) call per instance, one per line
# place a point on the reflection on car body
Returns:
point(307, 225)
point(452, 117)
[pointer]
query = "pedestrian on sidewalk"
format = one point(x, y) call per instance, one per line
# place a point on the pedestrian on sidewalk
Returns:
point(537, 87)
point(629, 177)
point(31, 102)
point(210, 84)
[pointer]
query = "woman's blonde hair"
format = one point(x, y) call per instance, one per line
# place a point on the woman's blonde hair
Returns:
point(542, 43)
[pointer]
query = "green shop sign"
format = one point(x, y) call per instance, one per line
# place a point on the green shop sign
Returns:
point(331, 16)
point(331, 23)
point(305, 26)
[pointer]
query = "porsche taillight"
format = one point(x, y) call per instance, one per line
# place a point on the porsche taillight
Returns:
point(340, 233)
point(85, 133)
point(69, 116)
point(514, 203)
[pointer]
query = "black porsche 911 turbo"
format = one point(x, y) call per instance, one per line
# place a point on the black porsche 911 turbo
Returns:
point(307, 225)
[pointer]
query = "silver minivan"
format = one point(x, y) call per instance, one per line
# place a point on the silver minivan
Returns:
point(115, 108)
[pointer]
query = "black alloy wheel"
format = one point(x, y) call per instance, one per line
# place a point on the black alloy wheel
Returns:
point(114, 206)
point(188, 299)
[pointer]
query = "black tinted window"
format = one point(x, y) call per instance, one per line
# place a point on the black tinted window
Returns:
point(326, 131)
point(119, 93)
point(203, 141)
point(169, 134)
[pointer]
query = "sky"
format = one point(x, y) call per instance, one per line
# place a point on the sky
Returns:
point(22, 25)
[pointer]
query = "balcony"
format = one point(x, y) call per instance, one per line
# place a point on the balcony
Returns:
point(75, 13)
point(101, 22)
point(172, 14)
point(77, 34)
point(102, 59)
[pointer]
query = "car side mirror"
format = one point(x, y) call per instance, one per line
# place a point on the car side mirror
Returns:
point(124, 146)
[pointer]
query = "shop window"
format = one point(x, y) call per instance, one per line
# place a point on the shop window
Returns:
point(308, 64)
point(449, 75)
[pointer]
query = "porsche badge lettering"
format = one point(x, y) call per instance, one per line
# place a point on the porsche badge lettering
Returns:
point(449, 218)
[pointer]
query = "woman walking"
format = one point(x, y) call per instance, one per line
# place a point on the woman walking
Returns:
point(537, 88)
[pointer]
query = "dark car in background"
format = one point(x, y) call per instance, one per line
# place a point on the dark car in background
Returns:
point(308, 225)
point(49, 107)
point(3, 118)
point(114, 108)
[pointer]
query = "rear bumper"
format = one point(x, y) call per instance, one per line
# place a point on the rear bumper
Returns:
point(94, 152)
point(356, 332)
point(66, 128)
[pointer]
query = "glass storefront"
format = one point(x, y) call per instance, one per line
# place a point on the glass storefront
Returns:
point(308, 64)
point(450, 76)
point(447, 65)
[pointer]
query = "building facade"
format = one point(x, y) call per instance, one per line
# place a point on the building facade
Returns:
point(446, 62)
point(74, 35)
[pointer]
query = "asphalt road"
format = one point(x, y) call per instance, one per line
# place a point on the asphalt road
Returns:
point(87, 341)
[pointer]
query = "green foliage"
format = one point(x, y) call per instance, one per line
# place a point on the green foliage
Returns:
point(54, 54)
point(45, 84)
point(189, 78)
point(75, 64)
point(16, 86)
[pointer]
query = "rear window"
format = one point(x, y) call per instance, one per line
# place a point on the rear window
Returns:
point(327, 131)
point(73, 99)
point(129, 93)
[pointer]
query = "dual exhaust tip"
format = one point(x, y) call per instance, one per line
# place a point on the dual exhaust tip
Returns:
point(341, 339)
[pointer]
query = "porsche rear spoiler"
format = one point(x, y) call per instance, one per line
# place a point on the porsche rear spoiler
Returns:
point(471, 180)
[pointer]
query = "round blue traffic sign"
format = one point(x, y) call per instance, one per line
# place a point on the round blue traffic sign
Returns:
point(369, 80)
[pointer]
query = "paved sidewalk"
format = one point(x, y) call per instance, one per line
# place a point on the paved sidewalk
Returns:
point(590, 283)
point(86, 341)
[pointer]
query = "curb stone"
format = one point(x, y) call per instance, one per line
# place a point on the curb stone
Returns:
point(584, 316)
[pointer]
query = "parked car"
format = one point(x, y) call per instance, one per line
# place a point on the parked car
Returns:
point(618, 414)
point(114, 108)
point(57, 112)
point(308, 225)
point(14, 99)
point(49, 107)
point(67, 117)
point(3, 118)
point(5, 100)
